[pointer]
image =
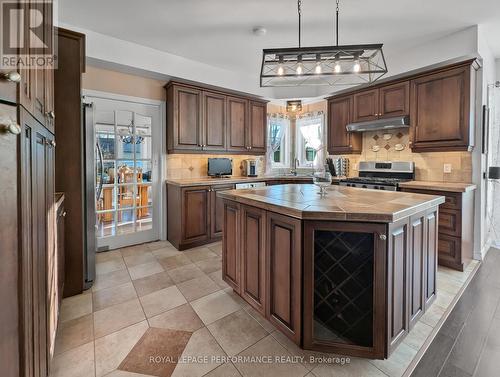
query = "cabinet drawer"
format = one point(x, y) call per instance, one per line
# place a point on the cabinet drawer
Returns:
point(449, 249)
point(453, 200)
point(450, 222)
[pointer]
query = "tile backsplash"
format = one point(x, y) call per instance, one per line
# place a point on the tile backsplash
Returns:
point(393, 146)
point(187, 166)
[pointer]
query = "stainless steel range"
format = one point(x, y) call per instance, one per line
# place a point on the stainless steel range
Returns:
point(381, 175)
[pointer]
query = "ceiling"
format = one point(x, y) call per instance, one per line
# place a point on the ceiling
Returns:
point(219, 32)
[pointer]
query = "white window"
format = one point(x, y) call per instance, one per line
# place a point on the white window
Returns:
point(310, 139)
point(278, 140)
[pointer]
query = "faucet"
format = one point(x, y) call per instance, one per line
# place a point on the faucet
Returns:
point(296, 163)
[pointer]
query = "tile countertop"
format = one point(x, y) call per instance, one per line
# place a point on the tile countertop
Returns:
point(221, 181)
point(341, 203)
point(439, 186)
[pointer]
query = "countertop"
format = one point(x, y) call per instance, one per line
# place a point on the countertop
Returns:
point(439, 186)
point(341, 203)
point(221, 181)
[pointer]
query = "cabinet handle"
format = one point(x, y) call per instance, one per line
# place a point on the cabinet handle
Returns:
point(12, 76)
point(383, 237)
point(51, 114)
point(51, 143)
point(11, 127)
point(64, 214)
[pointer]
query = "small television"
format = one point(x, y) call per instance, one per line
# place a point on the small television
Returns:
point(219, 167)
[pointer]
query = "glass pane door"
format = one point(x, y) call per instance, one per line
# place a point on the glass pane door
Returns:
point(126, 173)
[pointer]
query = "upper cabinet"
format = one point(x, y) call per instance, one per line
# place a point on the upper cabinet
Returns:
point(200, 120)
point(339, 116)
point(440, 104)
point(441, 111)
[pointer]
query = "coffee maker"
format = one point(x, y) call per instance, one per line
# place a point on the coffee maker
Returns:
point(250, 167)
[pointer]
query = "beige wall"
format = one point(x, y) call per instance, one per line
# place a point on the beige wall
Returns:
point(121, 83)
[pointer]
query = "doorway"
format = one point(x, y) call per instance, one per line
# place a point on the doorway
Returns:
point(127, 144)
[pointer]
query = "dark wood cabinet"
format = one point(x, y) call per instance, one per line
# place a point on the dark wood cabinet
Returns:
point(394, 100)
point(431, 257)
point(253, 257)
point(195, 214)
point(441, 111)
point(456, 231)
point(256, 139)
point(417, 268)
point(237, 117)
point(203, 120)
point(339, 116)
point(284, 274)
point(365, 105)
point(231, 251)
point(217, 210)
point(214, 121)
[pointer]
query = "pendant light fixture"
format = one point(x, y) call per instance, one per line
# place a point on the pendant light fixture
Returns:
point(329, 65)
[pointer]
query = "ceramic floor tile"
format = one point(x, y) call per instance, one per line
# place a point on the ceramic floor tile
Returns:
point(268, 326)
point(216, 276)
point(74, 333)
point(236, 332)
point(159, 245)
point(184, 273)
point(174, 261)
point(433, 315)
point(76, 306)
point(152, 283)
point(200, 254)
point(236, 297)
point(214, 306)
point(269, 347)
point(107, 256)
point(146, 269)
point(117, 317)
point(166, 252)
point(418, 335)
point(397, 363)
point(134, 250)
point(225, 370)
point(216, 248)
point(112, 296)
point(112, 349)
point(180, 318)
point(122, 373)
point(195, 288)
point(444, 298)
point(111, 265)
point(202, 344)
point(210, 265)
point(162, 300)
point(111, 279)
point(355, 368)
point(78, 362)
point(156, 344)
point(136, 259)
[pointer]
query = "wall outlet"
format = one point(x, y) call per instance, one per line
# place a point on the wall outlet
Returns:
point(447, 168)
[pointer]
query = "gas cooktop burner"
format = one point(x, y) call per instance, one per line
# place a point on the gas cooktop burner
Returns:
point(381, 175)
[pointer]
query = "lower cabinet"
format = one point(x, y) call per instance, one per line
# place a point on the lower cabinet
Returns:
point(231, 250)
point(194, 215)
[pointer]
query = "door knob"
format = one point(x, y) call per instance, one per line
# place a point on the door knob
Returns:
point(10, 126)
point(12, 76)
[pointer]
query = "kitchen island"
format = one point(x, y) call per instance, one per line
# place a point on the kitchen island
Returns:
point(349, 273)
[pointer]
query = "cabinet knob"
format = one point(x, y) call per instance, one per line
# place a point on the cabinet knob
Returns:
point(64, 214)
point(51, 143)
point(10, 126)
point(12, 76)
point(51, 114)
point(383, 237)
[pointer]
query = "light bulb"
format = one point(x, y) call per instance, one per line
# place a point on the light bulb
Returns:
point(337, 68)
point(281, 70)
point(357, 66)
point(300, 69)
point(318, 68)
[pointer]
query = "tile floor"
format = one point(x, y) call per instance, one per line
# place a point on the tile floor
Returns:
point(152, 299)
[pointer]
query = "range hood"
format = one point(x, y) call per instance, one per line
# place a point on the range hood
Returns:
point(380, 124)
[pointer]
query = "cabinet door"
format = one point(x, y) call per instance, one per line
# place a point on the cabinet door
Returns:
point(256, 135)
point(284, 274)
point(231, 264)
point(440, 108)
point(394, 100)
point(187, 129)
point(417, 268)
point(339, 116)
point(49, 72)
point(237, 117)
point(9, 232)
point(217, 210)
point(214, 122)
point(253, 248)
point(195, 214)
point(366, 106)
point(431, 259)
point(397, 283)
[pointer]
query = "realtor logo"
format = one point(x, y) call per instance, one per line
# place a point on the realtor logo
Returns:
point(26, 41)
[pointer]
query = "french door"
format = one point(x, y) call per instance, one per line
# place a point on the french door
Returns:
point(127, 154)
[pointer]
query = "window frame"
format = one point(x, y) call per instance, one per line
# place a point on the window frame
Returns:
point(284, 148)
point(300, 141)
